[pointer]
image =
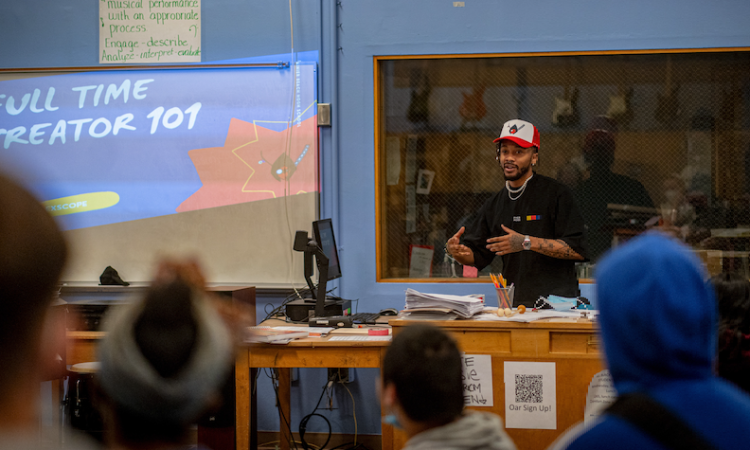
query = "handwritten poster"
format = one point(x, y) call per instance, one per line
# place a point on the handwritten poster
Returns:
point(149, 31)
point(530, 395)
point(601, 394)
point(477, 380)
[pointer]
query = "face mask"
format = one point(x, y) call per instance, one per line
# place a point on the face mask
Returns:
point(392, 420)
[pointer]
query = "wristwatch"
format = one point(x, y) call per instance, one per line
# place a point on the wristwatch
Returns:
point(447, 253)
point(527, 243)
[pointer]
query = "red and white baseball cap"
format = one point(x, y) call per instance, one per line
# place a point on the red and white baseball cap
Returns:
point(521, 132)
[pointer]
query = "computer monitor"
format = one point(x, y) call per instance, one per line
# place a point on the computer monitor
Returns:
point(321, 249)
point(323, 230)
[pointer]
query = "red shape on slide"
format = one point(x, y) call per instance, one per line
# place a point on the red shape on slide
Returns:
point(237, 173)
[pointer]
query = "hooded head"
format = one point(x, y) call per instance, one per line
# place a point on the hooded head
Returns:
point(165, 355)
point(657, 313)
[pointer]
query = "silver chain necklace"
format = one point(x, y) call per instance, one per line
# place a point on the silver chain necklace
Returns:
point(518, 191)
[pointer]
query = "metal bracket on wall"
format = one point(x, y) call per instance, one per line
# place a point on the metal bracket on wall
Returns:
point(324, 114)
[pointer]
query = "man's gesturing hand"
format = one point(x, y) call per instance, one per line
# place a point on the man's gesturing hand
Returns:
point(509, 243)
point(455, 248)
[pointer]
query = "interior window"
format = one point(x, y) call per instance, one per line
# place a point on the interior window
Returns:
point(676, 128)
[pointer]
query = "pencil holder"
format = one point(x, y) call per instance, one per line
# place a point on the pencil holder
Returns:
point(505, 296)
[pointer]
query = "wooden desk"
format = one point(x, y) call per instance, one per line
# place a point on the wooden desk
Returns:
point(572, 346)
point(315, 352)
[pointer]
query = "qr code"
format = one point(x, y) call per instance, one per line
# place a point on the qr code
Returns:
point(529, 388)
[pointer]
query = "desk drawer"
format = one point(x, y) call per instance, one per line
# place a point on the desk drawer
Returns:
point(270, 356)
point(485, 342)
point(575, 343)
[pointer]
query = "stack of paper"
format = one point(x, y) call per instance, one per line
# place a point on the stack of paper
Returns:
point(430, 314)
point(464, 306)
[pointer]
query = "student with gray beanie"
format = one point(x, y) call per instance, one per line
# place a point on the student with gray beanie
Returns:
point(163, 362)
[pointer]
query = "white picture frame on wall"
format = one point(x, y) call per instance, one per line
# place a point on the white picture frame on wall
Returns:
point(424, 181)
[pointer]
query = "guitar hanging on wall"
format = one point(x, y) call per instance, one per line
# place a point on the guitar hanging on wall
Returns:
point(473, 108)
point(668, 105)
point(620, 109)
point(565, 113)
point(419, 106)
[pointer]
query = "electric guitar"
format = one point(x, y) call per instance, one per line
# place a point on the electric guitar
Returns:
point(473, 108)
point(419, 106)
point(620, 109)
point(565, 113)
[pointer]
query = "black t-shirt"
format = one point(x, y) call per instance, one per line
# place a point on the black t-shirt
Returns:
point(547, 210)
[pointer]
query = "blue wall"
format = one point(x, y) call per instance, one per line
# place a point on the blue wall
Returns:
point(392, 27)
point(48, 33)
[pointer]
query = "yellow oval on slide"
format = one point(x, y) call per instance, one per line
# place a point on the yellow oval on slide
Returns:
point(81, 203)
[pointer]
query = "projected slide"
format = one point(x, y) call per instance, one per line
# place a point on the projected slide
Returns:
point(105, 147)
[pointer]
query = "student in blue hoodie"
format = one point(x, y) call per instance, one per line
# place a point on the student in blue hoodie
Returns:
point(658, 324)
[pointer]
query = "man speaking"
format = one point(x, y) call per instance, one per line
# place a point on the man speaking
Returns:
point(533, 224)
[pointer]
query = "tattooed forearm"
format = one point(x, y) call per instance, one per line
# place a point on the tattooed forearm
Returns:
point(557, 249)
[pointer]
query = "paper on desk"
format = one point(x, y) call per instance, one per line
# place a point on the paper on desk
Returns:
point(463, 305)
point(359, 338)
point(430, 314)
point(312, 331)
point(360, 331)
point(273, 335)
point(531, 316)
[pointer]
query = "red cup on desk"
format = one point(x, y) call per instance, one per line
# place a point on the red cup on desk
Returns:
point(505, 296)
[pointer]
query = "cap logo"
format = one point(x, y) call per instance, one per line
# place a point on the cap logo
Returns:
point(514, 129)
